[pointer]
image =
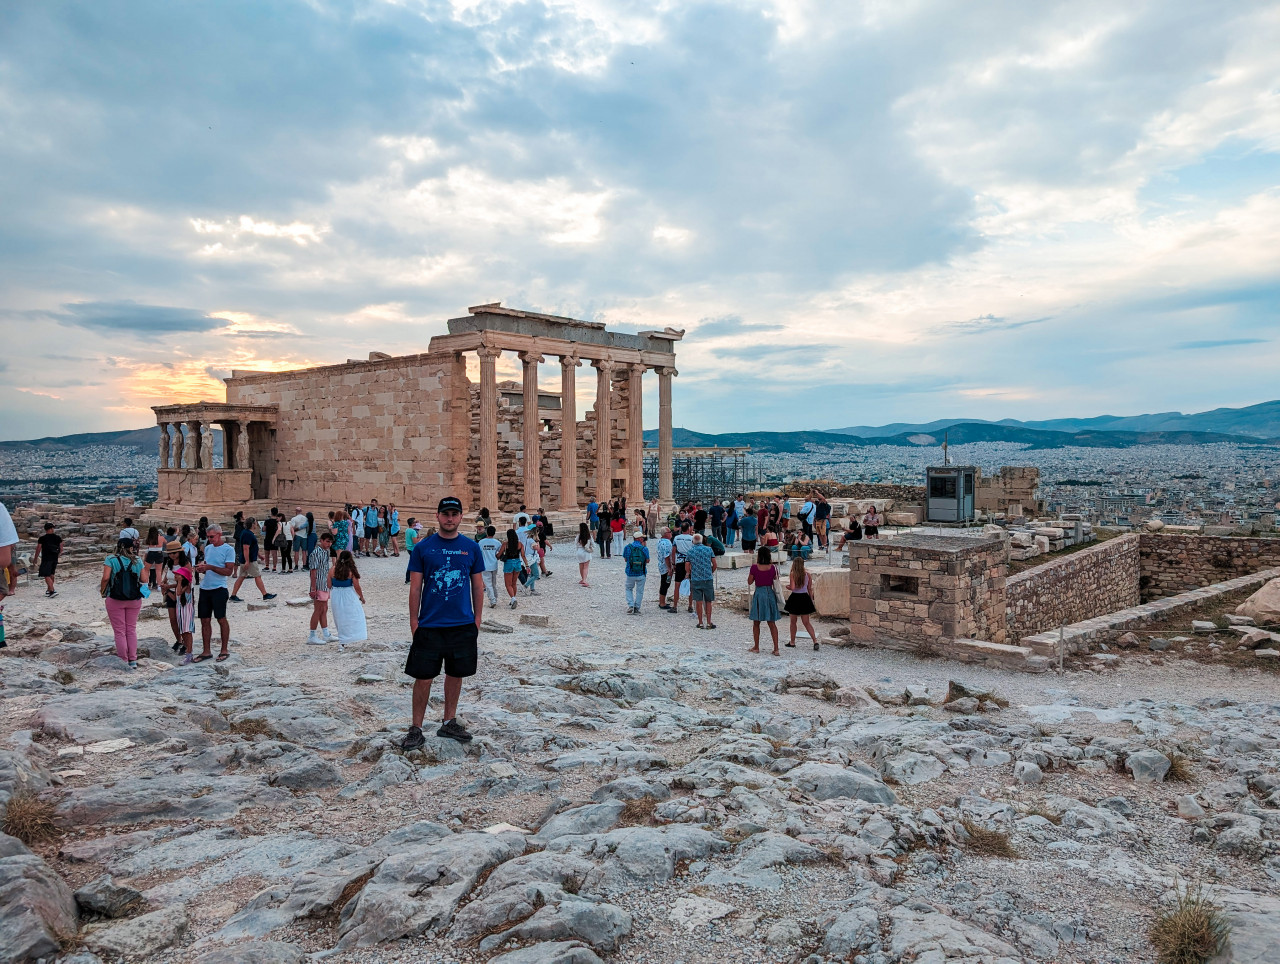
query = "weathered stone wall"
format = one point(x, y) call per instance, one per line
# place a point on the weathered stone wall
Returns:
point(1074, 588)
point(388, 429)
point(1176, 563)
point(960, 589)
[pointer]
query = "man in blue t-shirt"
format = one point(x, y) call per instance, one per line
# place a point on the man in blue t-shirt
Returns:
point(637, 558)
point(446, 604)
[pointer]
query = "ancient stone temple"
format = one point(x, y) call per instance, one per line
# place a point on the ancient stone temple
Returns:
point(412, 428)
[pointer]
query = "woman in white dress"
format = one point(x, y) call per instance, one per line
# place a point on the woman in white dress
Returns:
point(584, 553)
point(346, 600)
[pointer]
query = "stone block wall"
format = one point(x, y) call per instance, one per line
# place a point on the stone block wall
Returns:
point(1177, 563)
point(927, 588)
point(1074, 588)
point(395, 429)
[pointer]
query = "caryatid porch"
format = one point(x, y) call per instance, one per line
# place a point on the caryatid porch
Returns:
point(620, 361)
point(188, 472)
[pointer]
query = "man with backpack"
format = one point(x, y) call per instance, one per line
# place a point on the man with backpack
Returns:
point(636, 556)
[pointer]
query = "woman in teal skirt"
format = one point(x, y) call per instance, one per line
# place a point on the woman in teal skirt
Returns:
point(764, 604)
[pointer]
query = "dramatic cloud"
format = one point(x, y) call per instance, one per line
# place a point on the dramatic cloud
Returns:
point(860, 212)
point(130, 318)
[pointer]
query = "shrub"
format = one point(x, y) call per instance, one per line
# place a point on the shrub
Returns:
point(1192, 932)
point(30, 819)
point(988, 843)
point(638, 812)
point(1179, 768)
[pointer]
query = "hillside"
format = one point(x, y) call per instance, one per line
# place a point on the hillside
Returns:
point(1257, 421)
point(785, 442)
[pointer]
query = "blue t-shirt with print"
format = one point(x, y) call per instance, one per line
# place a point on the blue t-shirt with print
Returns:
point(664, 556)
point(447, 566)
point(700, 558)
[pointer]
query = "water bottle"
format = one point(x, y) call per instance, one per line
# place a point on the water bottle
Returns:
point(2, 642)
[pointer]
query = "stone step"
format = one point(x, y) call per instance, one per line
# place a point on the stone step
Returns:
point(1004, 655)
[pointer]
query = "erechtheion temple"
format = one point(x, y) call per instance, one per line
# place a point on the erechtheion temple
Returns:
point(409, 429)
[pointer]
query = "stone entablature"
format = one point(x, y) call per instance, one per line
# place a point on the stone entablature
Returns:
point(1080, 586)
point(928, 588)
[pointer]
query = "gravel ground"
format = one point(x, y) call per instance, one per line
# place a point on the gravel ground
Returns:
point(1071, 896)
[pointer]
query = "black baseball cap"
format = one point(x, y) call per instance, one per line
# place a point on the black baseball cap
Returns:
point(449, 504)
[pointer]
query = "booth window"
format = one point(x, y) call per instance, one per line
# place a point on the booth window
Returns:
point(942, 487)
point(906, 585)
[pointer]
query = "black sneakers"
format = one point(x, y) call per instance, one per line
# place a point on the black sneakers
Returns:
point(413, 739)
point(453, 730)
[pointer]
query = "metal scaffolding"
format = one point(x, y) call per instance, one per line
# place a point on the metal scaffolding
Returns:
point(702, 474)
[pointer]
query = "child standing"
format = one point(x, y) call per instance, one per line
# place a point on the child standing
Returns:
point(346, 599)
point(184, 610)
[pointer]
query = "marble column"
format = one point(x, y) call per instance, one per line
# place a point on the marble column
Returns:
point(532, 432)
point(666, 489)
point(489, 429)
point(189, 456)
point(604, 431)
point(164, 445)
point(635, 436)
point(569, 432)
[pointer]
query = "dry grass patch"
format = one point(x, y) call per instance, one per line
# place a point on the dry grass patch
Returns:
point(1192, 932)
point(988, 843)
point(30, 819)
point(63, 677)
point(1179, 769)
point(638, 812)
point(254, 726)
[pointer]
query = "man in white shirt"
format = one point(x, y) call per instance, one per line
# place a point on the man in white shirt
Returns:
point(8, 539)
point(299, 525)
point(489, 547)
point(129, 532)
point(681, 545)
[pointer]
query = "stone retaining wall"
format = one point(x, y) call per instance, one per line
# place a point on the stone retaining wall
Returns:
point(1080, 586)
point(1176, 563)
point(1076, 637)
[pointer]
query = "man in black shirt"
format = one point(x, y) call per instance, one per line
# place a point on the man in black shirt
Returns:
point(269, 529)
point(716, 514)
point(48, 548)
point(247, 546)
point(700, 520)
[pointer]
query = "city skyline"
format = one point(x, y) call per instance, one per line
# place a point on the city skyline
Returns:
point(874, 214)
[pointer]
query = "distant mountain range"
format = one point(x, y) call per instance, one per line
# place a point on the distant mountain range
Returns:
point(146, 439)
point(1257, 424)
point(1259, 421)
point(956, 434)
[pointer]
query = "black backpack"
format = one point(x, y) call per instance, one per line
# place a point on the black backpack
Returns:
point(125, 582)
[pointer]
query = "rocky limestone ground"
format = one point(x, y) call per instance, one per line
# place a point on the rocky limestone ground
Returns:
point(638, 790)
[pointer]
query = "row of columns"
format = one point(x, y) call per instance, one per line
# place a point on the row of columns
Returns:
point(532, 461)
point(197, 450)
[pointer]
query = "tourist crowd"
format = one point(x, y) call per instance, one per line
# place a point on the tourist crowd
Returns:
point(199, 571)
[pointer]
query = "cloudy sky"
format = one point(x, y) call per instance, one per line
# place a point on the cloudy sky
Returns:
point(861, 212)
